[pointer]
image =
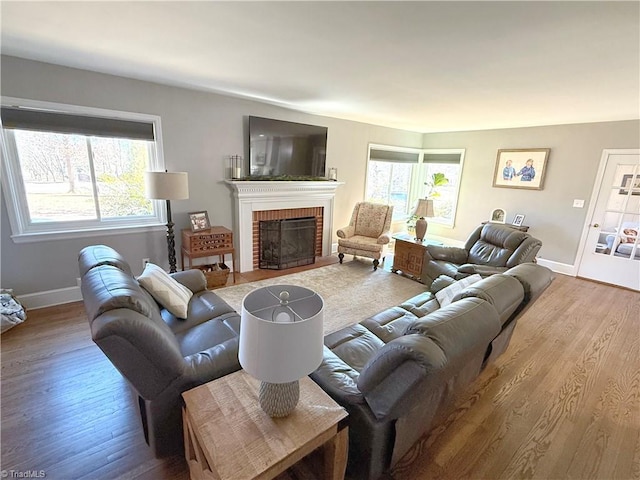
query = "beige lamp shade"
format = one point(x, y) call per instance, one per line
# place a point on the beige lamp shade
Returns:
point(424, 208)
point(166, 185)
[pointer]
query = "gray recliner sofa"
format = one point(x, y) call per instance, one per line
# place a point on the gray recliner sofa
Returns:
point(401, 371)
point(160, 355)
point(491, 248)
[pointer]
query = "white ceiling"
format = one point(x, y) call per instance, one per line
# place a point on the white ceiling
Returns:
point(423, 66)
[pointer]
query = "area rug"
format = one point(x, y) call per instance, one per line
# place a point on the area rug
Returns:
point(351, 291)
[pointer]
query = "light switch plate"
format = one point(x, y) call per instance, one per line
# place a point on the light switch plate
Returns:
point(578, 203)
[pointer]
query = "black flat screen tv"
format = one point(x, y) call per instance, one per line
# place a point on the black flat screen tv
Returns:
point(286, 150)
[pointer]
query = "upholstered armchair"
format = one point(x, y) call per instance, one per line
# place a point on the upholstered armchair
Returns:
point(490, 249)
point(367, 233)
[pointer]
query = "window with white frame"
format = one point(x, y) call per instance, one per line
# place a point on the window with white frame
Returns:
point(72, 169)
point(398, 176)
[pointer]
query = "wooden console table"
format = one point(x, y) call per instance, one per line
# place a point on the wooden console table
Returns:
point(208, 243)
point(408, 254)
point(522, 228)
point(228, 436)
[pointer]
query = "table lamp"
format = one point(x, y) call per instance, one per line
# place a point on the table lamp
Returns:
point(423, 209)
point(281, 341)
point(168, 186)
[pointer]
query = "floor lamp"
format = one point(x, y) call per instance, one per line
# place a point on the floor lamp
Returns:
point(168, 186)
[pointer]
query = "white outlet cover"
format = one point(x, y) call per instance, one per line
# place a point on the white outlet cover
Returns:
point(578, 203)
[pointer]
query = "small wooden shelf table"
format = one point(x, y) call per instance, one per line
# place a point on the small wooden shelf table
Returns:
point(408, 254)
point(208, 243)
point(228, 436)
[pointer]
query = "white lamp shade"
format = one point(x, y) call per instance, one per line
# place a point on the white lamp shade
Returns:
point(282, 351)
point(166, 185)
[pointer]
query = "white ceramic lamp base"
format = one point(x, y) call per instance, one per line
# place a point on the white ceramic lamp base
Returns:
point(279, 399)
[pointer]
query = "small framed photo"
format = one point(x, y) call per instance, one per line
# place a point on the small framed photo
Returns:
point(517, 220)
point(199, 221)
point(498, 215)
point(521, 168)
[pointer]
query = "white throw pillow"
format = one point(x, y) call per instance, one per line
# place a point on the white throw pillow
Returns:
point(445, 295)
point(169, 293)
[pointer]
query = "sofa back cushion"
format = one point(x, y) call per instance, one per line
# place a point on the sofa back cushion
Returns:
point(495, 245)
point(460, 327)
point(107, 287)
point(96, 255)
point(503, 292)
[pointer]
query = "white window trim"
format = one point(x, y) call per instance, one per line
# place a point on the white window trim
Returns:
point(416, 189)
point(461, 152)
point(12, 185)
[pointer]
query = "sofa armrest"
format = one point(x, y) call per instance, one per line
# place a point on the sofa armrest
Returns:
point(214, 362)
point(193, 279)
point(448, 254)
point(388, 381)
point(141, 348)
point(384, 238)
point(346, 232)
point(526, 252)
point(534, 279)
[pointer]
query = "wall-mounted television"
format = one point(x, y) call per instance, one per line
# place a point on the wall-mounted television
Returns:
point(280, 149)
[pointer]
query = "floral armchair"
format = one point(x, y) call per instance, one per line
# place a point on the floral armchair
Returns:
point(622, 244)
point(367, 233)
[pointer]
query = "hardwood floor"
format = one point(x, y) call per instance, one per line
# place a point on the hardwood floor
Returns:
point(562, 402)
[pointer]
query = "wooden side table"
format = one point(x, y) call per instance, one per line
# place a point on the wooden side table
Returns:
point(208, 243)
point(408, 254)
point(228, 436)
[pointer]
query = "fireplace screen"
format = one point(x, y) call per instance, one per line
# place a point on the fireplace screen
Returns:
point(287, 243)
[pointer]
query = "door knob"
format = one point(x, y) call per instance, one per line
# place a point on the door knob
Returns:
point(595, 225)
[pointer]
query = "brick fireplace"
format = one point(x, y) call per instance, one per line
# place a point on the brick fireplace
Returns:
point(261, 215)
point(256, 200)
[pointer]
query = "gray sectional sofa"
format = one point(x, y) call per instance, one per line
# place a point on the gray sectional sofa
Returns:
point(399, 372)
point(396, 373)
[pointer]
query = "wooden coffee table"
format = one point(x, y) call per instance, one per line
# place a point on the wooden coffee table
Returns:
point(228, 436)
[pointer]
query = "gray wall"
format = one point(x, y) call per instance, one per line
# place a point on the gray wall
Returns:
point(575, 154)
point(200, 130)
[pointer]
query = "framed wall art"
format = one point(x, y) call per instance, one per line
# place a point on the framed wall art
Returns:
point(521, 168)
point(199, 221)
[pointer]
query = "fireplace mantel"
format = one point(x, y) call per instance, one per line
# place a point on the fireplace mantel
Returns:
point(250, 196)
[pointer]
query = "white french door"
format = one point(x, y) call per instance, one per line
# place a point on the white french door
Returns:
point(611, 243)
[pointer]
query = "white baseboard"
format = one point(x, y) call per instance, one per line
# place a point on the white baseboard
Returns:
point(33, 301)
point(558, 267)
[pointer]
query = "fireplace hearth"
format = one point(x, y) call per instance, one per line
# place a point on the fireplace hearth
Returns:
point(287, 243)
